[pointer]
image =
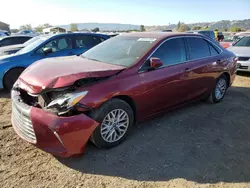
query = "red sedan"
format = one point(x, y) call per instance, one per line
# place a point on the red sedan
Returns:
point(61, 103)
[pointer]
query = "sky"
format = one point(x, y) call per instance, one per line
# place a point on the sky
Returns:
point(139, 12)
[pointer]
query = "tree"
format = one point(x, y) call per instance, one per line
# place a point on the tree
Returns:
point(73, 27)
point(14, 30)
point(26, 27)
point(196, 28)
point(183, 27)
point(96, 29)
point(235, 29)
point(41, 27)
point(142, 28)
point(178, 25)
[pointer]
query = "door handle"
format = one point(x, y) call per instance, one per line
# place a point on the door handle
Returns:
point(188, 70)
point(218, 61)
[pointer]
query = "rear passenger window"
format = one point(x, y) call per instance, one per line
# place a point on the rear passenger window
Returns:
point(198, 48)
point(84, 41)
point(171, 52)
point(213, 51)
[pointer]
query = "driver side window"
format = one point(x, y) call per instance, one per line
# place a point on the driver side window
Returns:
point(57, 45)
point(172, 52)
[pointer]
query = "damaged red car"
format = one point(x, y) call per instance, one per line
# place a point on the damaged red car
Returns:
point(58, 104)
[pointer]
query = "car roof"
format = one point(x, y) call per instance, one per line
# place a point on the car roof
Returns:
point(72, 34)
point(14, 36)
point(159, 35)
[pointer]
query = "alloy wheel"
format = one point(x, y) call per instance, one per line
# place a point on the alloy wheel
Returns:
point(220, 89)
point(114, 125)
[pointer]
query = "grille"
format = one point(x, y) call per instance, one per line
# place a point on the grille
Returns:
point(243, 67)
point(243, 58)
point(22, 123)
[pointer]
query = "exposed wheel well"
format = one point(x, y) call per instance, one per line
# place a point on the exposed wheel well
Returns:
point(228, 78)
point(8, 72)
point(130, 101)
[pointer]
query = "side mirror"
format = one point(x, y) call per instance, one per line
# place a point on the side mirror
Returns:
point(233, 43)
point(155, 63)
point(46, 51)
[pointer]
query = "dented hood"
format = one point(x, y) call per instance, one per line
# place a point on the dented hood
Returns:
point(63, 71)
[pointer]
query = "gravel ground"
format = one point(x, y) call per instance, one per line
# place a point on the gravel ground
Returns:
point(201, 145)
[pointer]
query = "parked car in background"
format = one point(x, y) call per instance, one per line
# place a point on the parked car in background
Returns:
point(12, 40)
point(7, 33)
point(61, 103)
point(45, 47)
point(204, 32)
point(167, 30)
point(242, 51)
point(7, 50)
point(26, 32)
point(2, 34)
point(227, 42)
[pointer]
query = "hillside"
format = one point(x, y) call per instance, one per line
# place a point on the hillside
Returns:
point(104, 26)
point(244, 24)
point(223, 24)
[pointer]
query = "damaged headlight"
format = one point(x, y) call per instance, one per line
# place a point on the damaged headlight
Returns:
point(65, 102)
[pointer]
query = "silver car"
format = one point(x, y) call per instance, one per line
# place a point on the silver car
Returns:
point(242, 51)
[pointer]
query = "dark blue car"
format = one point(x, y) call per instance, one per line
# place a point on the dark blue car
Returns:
point(11, 66)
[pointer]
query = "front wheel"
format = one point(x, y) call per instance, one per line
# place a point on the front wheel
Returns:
point(116, 118)
point(219, 91)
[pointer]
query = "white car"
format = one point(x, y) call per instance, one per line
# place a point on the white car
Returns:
point(242, 50)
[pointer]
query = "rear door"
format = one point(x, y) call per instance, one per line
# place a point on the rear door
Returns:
point(84, 42)
point(202, 55)
point(166, 86)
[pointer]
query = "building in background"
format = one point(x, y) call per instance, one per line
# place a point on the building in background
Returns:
point(54, 30)
point(4, 26)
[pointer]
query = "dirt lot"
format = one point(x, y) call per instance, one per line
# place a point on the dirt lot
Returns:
point(201, 145)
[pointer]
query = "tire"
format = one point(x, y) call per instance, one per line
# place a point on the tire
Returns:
point(214, 97)
point(11, 77)
point(119, 129)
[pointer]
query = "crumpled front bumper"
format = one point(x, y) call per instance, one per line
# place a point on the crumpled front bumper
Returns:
point(60, 136)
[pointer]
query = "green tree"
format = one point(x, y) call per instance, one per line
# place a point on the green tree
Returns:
point(26, 27)
point(96, 29)
point(142, 28)
point(14, 30)
point(41, 27)
point(235, 29)
point(178, 25)
point(183, 28)
point(196, 28)
point(73, 27)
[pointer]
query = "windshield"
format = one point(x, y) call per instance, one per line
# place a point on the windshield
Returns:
point(31, 41)
point(120, 50)
point(32, 45)
point(228, 39)
point(244, 42)
point(237, 38)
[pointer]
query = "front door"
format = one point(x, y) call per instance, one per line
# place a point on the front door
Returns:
point(166, 86)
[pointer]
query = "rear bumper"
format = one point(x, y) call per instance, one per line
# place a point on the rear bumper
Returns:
point(60, 136)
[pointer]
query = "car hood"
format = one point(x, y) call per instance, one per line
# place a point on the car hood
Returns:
point(62, 72)
point(240, 51)
point(11, 47)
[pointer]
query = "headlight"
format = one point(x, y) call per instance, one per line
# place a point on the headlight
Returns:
point(65, 102)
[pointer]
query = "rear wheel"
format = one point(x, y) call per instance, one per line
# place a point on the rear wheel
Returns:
point(116, 118)
point(11, 77)
point(219, 91)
